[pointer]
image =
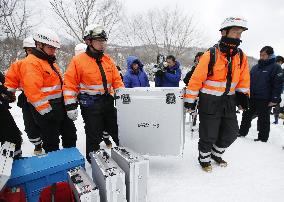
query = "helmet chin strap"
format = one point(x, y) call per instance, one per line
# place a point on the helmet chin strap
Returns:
point(96, 50)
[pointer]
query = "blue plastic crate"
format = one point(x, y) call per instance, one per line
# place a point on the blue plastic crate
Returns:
point(37, 172)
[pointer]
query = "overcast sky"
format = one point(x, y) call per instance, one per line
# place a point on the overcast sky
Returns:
point(265, 19)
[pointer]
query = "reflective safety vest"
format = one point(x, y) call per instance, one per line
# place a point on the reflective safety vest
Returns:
point(83, 76)
point(40, 83)
point(216, 84)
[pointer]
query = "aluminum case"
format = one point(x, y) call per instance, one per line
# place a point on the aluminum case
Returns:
point(136, 169)
point(108, 176)
point(83, 187)
point(151, 120)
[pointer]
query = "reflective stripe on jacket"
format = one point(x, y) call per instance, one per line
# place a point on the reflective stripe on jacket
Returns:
point(83, 76)
point(216, 84)
point(40, 83)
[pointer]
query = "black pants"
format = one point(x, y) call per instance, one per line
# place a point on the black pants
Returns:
point(53, 127)
point(259, 107)
point(31, 128)
point(218, 122)
point(99, 117)
point(9, 130)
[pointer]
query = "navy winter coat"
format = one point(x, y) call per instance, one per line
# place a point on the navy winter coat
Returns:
point(170, 78)
point(131, 79)
point(266, 80)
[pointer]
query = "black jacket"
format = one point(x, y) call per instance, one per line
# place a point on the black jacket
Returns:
point(266, 80)
point(188, 75)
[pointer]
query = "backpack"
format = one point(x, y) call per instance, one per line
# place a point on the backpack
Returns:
point(213, 59)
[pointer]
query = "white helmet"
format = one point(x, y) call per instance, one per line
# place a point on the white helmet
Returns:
point(47, 36)
point(80, 48)
point(29, 42)
point(94, 31)
point(88, 30)
point(234, 22)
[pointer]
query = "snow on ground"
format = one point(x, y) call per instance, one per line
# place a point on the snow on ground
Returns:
point(255, 171)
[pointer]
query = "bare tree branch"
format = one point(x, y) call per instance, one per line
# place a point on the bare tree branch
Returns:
point(166, 30)
point(76, 15)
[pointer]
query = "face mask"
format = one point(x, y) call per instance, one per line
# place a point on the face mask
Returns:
point(231, 42)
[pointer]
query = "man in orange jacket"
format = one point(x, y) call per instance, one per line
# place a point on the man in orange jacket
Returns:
point(42, 84)
point(219, 91)
point(13, 82)
point(88, 80)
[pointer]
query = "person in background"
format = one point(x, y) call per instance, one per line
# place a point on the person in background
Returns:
point(265, 92)
point(120, 72)
point(277, 109)
point(135, 75)
point(190, 72)
point(170, 75)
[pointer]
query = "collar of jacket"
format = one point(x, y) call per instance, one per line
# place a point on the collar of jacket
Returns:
point(42, 55)
point(227, 49)
point(96, 55)
point(176, 66)
point(267, 62)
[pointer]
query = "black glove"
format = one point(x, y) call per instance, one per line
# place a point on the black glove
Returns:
point(190, 106)
point(159, 73)
point(9, 97)
point(242, 100)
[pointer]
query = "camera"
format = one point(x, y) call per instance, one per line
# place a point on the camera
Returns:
point(161, 64)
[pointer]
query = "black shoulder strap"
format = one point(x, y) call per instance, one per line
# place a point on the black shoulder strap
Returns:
point(241, 56)
point(212, 60)
point(99, 62)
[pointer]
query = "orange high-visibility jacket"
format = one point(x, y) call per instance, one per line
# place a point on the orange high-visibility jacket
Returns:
point(13, 77)
point(83, 76)
point(216, 84)
point(40, 83)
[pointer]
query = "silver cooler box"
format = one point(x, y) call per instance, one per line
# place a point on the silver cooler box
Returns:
point(109, 177)
point(82, 185)
point(6, 160)
point(151, 120)
point(136, 169)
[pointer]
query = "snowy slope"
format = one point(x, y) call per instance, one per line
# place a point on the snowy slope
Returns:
point(255, 171)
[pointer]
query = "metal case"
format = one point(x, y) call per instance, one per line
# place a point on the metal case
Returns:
point(108, 176)
point(136, 169)
point(6, 160)
point(83, 187)
point(151, 120)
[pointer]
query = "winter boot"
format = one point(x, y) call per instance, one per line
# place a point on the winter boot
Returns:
point(217, 152)
point(106, 140)
point(204, 161)
point(219, 160)
point(108, 143)
point(38, 149)
point(206, 166)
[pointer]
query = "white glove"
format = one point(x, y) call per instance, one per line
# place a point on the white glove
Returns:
point(72, 114)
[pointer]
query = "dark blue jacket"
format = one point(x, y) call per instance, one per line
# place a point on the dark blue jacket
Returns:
point(170, 78)
point(131, 79)
point(266, 80)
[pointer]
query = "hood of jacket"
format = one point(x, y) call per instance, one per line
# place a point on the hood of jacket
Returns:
point(131, 60)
